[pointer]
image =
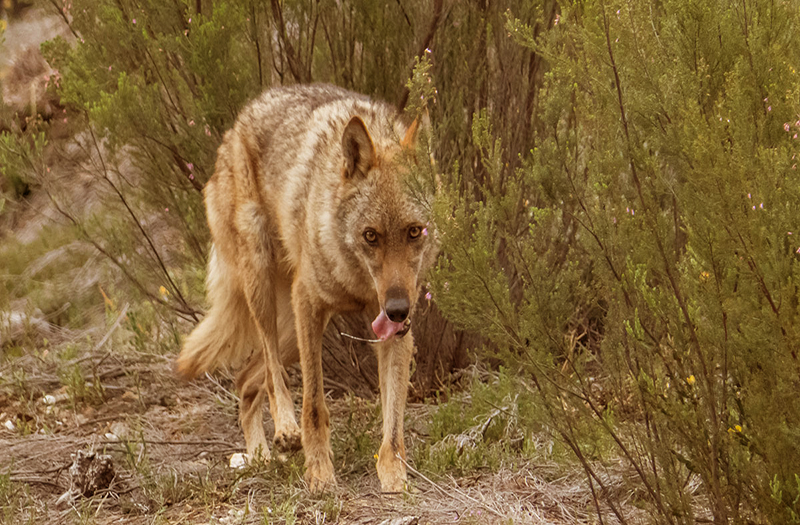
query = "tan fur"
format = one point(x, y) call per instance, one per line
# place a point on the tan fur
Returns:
point(300, 179)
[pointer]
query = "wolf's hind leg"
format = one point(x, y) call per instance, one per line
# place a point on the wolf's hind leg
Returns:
point(260, 284)
point(250, 384)
point(286, 440)
point(310, 320)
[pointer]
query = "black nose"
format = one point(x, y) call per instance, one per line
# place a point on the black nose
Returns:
point(397, 309)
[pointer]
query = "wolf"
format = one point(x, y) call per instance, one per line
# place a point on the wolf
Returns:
point(311, 215)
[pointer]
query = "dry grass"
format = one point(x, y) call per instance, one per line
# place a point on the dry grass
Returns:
point(170, 442)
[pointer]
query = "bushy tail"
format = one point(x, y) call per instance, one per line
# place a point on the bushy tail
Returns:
point(226, 335)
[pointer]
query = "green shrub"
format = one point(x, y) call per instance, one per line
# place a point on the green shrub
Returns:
point(492, 426)
point(618, 216)
point(640, 264)
point(150, 89)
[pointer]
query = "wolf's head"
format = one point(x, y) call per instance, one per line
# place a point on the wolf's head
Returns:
point(387, 230)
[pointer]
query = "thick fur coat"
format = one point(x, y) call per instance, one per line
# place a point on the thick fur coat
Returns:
point(310, 216)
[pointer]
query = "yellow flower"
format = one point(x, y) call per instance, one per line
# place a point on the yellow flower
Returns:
point(109, 302)
point(704, 276)
point(163, 291)
point(738, 428)
point(690, 379)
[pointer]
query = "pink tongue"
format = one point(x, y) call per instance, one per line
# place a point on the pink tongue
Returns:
point(384, 327)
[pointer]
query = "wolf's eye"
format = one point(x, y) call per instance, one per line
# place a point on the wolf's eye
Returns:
point(414, 232)
point(370, 236)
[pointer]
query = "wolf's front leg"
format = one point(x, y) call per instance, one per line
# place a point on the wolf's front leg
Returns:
point(310, 320)
point(394, 359)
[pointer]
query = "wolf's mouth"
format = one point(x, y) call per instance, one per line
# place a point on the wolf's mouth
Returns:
point(385, 328)
point(406, 328)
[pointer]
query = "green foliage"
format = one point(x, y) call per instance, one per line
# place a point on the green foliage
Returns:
point(492, 427)
point(420, 86)
point(17, 155)
point(16, 502)
point(155, 85)
point(45, 272)
point(639, 261)
point(153, 122)
point(356, 441)
point(78, 388)
point(618, 217)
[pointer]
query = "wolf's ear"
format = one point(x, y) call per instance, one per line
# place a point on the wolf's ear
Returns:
point(411, 135)
point(359, 153)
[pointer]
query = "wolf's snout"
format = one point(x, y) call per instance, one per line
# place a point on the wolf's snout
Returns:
point(397, 309)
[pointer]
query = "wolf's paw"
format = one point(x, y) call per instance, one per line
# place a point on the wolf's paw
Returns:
point(392, 473)
point(319, 476)
point(257, 451)
point(287, 442)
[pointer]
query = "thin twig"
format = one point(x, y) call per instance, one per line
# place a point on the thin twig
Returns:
point(113, 327)
point(48, 471)
point(63, 14)
point(36, 480)
point(157, 442)
point(360, 338)
point(335, 384)
point(219, 385)
point(99, 420)
point(100, 344)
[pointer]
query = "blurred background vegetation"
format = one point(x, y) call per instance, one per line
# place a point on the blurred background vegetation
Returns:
point(619, 212)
